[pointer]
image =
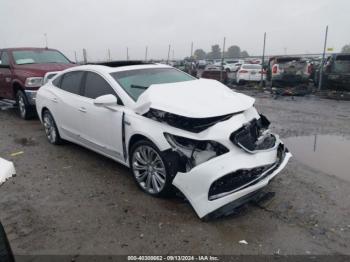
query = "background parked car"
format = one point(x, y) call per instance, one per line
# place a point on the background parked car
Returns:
point(290, 71)
point(202, 64)
point(215, 73)
point(336, 73)
point(22, 72)
point(250, 73)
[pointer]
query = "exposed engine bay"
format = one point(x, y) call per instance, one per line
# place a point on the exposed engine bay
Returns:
point(194, 125)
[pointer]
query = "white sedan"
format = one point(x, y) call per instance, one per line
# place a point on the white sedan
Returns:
point(250, 73)
point(171, 129)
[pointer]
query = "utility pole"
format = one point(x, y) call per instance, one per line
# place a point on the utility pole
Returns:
point(146, 53)
point(127, 54)
point(167, 61)
point(85, 56)
point(109, 54)
point(46, 41)
point(75, 56)
point(222, 60)
point(191, 50)
point(323, 57)
point(263, 62)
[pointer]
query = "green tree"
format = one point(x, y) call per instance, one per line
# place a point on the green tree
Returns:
point(215, 52)
point(199, 54)
point(346, 49)
point(233, 52)
point(244, 54)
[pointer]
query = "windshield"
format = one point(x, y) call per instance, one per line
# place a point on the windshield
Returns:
point(135, 82)
point(39, 57)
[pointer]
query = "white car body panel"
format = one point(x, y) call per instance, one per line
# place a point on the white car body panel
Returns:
point(182, 99)
point(101, 128)
point(7, 170)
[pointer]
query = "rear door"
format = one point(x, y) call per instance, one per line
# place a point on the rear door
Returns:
point(66, 105)
point(102, 127)
point(5, 76)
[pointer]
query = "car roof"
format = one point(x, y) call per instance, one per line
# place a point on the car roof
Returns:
point(26, 49)
point(109, 69)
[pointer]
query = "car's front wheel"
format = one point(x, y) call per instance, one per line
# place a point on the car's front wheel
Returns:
point(25, 111)
point(51, 130)
point(153, 171)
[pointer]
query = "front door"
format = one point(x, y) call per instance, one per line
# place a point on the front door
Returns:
point(102, 126)
point(5, 76)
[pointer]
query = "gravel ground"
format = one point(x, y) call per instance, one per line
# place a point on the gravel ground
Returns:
point(69, 200)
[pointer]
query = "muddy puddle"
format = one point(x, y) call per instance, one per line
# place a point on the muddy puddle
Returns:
point(327, 153)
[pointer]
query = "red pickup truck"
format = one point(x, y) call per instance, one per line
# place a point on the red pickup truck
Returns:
point(24, 70)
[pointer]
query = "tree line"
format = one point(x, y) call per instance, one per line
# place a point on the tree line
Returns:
point(233, 51)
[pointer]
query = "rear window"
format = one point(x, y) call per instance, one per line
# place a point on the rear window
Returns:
point(251, 66)
point(343, 58)
point(71, 82)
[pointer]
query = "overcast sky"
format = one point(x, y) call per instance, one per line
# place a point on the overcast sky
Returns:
point(292, 26)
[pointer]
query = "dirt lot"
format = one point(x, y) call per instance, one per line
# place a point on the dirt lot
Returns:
point(69, 200)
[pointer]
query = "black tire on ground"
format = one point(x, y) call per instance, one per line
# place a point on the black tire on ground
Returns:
point(169, 161)
point(25, 110)
point(228, 70)
point(51, 129)
point(6, 254)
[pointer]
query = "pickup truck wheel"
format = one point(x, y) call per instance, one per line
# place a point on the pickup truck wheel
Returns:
point(51, 130)
point(25, 111)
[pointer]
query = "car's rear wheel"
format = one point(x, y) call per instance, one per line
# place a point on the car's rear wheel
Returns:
point(152, 170)
point(25, 111)
point(51, 130)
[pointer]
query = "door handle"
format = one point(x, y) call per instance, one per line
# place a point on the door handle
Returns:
point(82, 109)
point(54, 100)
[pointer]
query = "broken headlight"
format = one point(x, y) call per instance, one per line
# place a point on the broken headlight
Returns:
point(194, 152)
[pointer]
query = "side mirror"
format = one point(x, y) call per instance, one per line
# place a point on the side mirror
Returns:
point(106, 100)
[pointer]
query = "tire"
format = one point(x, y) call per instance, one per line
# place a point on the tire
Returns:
point(152, 170)
point(51, 130)
point(228, 70)
point(6, 254)
point(25, 111)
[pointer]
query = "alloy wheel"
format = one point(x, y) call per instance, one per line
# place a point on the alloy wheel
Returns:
point(21, 106)
point(149, 169)
point(50, 129)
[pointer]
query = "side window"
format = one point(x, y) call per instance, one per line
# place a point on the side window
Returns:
point(96, 86)
point(71, 82)
point(57, 81)
point(4, 58)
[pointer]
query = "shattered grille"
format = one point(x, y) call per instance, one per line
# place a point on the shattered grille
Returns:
point(235, 180)
point(244, 178)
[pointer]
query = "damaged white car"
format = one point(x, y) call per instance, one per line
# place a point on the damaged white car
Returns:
point(170, 128)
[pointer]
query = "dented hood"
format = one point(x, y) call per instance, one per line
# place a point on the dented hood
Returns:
point(195, 99)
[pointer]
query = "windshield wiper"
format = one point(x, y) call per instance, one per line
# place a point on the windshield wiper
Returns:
point(137, 86)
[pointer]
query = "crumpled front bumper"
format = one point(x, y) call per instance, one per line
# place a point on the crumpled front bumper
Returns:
point(195, 185)
point(31, 96)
